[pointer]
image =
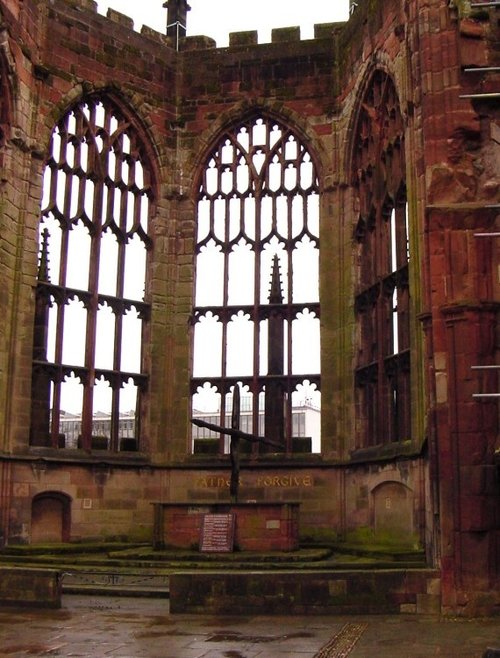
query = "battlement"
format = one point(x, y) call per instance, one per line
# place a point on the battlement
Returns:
point(279, 35)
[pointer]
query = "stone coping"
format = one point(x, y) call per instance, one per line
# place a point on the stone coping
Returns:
point(211, 503)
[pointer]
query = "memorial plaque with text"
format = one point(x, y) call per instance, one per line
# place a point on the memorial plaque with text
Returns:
point(217, 533)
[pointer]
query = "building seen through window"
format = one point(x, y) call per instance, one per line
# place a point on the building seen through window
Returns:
point(305, 422)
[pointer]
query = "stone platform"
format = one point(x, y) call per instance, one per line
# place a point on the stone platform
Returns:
point(391, 591)
point(30, 587)
point(259, 526)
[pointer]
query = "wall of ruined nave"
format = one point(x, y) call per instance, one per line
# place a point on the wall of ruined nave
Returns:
point(299, 82)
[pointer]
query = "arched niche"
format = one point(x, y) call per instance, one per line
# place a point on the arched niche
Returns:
point(50, 518)
point(393, 512)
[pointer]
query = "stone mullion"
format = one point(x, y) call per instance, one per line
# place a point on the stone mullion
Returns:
point(63, 267)
point(256, 309)
point(380, 251)
point(120, 275)
point(289, 320)
point(225, 318)
point(116, 382)
point(88, 401)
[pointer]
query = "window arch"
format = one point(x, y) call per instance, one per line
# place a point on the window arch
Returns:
point(91, 309)
point(256, 313)
point(382, 299)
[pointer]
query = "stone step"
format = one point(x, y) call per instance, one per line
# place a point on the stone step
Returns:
point(117, 590)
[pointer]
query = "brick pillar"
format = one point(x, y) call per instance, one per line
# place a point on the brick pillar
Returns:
point(464, 321)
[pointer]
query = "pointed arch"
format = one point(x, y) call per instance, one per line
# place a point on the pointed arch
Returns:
point(247, 110)
point(92, 306)
point(378, 176)
point(257, 228)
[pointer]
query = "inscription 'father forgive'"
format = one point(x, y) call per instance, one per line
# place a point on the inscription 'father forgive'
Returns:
point(266, 481)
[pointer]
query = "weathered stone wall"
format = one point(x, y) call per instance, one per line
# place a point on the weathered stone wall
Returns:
point(461, 289)
point(319, 593)
point(106, 501)
point(315, 487)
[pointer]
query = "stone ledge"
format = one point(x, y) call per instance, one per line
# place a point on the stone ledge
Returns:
point(147, 31)
point(30, 587)
point(121, 19)
point(90, 5)
point(284, 34)
point(196, 43)
point(324, 593)
point(248, 38)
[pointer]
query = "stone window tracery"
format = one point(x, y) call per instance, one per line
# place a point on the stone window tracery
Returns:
point(382, 374)
point(256, 313)
point(91, 310)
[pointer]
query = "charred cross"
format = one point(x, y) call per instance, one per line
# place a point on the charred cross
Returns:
point(236, 434)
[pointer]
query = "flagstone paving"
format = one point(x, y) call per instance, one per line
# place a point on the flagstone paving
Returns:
point(120, 627)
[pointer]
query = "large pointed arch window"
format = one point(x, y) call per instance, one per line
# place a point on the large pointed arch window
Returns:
point(382, 301)
point(91, 308)
point(256, 314)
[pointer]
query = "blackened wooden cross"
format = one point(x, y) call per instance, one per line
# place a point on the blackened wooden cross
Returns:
point(236, 434)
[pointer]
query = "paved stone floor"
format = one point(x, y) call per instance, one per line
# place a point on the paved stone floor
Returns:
point(116, 627)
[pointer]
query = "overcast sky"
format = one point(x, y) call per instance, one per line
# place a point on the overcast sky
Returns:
point(217, 18)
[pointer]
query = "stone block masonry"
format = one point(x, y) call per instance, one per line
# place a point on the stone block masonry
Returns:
point(30, 587)
point(315, 593)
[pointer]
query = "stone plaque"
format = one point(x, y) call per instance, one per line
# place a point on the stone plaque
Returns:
point(217, 533)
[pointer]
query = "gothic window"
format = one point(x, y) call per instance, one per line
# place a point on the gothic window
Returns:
point(5, 101)
point(382, 301)
point(256, 314)
point(91, 315)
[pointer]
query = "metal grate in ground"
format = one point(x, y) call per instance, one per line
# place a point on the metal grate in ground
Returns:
point(343, 642)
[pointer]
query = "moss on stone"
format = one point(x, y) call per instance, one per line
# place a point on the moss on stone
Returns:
point(381, 540)
point(319, 536)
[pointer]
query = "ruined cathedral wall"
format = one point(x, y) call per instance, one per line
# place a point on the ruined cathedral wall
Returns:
point(61, 53)
point(460, 126)
point(58, 54)
point(446, 75)
point(385, 494)
point(441, 485)
point(19, 188)
point(317, 87)
point(103, 502)
point(289, 79)
point(182, 101)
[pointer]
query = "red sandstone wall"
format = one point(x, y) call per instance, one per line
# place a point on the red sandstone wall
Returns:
point(462, 292)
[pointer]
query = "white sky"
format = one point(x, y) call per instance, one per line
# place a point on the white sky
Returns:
point(217, 18)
